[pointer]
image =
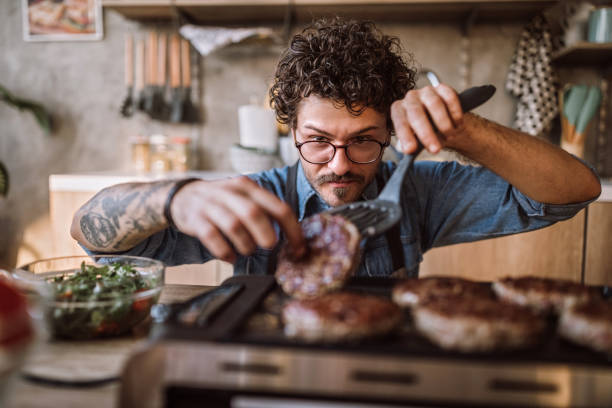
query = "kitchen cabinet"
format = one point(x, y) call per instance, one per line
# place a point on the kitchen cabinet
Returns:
point(598, 259)
point(554, 252)
point(577, 249)
point(254, 11)
point(585, 53)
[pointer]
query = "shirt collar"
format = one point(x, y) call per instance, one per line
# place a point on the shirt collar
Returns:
point(307, 193)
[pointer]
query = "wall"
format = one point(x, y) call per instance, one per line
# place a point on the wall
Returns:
point(81, 83)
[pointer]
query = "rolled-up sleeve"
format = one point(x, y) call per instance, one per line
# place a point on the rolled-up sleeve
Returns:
point(463, 203)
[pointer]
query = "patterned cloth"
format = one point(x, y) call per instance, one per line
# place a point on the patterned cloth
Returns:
point(532, 80)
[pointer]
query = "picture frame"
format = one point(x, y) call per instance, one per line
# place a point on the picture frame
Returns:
point(62, 20)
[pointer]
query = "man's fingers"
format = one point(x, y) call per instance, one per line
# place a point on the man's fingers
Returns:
point(231, 225)
point(453, 105)
point(437, 109)
point(420, 123)
point(213, 240)
point(251, 216)
point(408, 141)
point(282, 213)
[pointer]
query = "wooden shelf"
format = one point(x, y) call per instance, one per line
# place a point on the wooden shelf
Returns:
point(585, 53)
point(257, 11)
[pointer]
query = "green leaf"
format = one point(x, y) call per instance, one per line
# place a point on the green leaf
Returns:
point(4, 180)
point(40, 113)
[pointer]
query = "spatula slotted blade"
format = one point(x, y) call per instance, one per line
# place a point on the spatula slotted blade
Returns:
point(370, 217)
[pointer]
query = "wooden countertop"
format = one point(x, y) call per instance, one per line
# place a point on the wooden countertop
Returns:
point(101, 356)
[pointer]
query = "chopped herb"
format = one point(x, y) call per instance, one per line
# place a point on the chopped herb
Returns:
point(113, 284)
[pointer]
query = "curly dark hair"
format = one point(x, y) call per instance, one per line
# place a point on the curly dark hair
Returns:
point(350, 62)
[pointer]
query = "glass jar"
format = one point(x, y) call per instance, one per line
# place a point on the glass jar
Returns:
point(139, 146)
point(160, 153)
point(180, 153)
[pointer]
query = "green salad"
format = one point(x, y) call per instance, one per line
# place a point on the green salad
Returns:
point(100, 301)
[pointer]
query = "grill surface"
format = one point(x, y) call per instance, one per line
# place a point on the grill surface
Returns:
point(229, 343)
point(258, 322)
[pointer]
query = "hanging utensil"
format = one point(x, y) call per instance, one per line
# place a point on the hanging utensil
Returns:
point(158, 105)
point(140, 75)
point(190, 113)
point(127, 107)
point(176, 92)
point(151, 71)
point(373, 217)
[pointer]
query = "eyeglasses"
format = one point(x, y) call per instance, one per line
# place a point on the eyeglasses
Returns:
point(358, 151)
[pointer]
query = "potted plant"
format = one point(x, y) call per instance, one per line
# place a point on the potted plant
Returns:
point(42, 117)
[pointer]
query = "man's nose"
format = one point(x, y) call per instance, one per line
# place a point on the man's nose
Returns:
point(340, 163)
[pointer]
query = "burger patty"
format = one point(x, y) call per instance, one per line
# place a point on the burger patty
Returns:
point(333, 255)
point(411, 292)
point(340, 316)
point(588, 324)
point(476, 324)
point(543, 294)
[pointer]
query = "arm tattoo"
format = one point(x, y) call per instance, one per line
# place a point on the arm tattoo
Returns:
point(97, 229)
point(109, 221)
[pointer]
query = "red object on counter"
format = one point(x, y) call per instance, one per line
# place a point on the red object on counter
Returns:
point(15, 323)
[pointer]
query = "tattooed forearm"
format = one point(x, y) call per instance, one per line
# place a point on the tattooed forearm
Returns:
point(121, 216)
point(97, 229)
point(115, 207)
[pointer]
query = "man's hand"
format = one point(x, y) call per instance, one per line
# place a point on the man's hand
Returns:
point(431, 115)
point(237, 210)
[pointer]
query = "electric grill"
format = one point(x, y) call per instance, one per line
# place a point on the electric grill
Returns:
point(227, 348)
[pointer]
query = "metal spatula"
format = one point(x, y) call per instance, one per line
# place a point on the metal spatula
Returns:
point(376, 216)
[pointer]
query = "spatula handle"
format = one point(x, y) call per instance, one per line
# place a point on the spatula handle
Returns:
point(475, 96)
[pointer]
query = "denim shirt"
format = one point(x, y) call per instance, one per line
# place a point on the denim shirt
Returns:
point(443, 203)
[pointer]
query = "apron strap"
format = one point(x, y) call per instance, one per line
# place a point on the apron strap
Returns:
point(291, 198)
point(291, 195)
point(392, 235)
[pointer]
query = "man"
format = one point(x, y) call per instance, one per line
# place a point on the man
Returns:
point(343, 88)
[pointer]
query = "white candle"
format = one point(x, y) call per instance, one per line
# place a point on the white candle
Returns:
point(257, 127)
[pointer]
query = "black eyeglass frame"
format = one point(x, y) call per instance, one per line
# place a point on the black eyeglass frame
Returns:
point(299, 145)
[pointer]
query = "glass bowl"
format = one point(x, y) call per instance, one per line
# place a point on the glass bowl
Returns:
point(96, 296)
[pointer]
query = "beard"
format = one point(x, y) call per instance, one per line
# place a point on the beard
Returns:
point(341, 193)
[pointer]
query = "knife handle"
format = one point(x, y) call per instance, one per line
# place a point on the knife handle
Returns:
point(175, 62)
point(129, 60)
point(186, 63)
point(140, 64)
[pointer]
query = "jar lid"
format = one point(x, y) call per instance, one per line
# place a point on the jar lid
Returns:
point(138, 139)
point(181, 140)
point(158, 139)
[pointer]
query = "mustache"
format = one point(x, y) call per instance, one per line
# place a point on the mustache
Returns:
point(334, 178)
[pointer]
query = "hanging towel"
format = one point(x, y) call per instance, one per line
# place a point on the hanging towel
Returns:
point(208, 39)
point(532, 80)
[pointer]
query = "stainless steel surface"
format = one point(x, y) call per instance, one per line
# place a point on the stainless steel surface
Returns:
point(372, 378)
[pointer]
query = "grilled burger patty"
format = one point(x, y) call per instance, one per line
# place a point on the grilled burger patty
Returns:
point(333, 255)
point(340, 316)
point(543, 294)
point(411, 292)
point(476, 324)
point(588, 324)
